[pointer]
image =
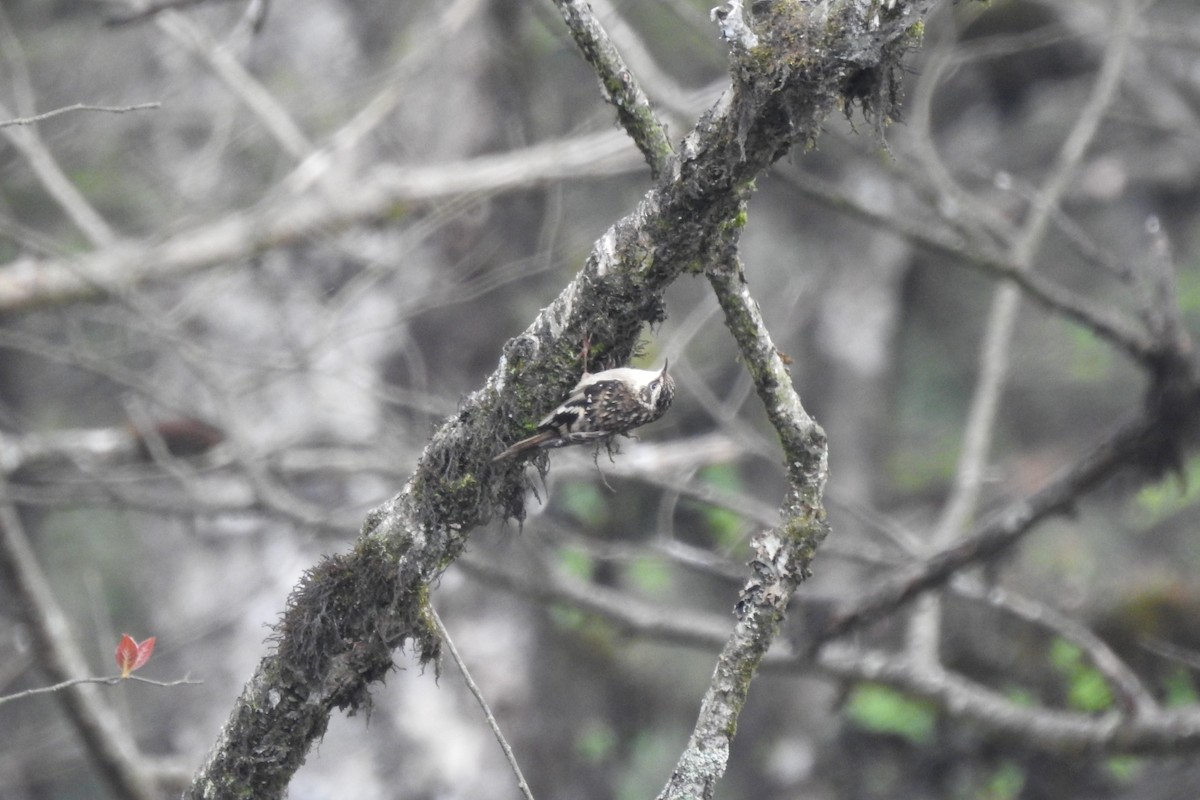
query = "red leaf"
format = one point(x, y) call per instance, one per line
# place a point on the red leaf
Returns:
point(132, 655)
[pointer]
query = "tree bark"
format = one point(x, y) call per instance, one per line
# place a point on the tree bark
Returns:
point(792, 65)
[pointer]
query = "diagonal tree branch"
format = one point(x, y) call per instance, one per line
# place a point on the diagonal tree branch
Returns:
point(781, 555)
point(618, 84)
point(351, 611)
point(1134, 442)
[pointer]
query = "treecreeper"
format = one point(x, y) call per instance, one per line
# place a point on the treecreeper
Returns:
point(602, 405)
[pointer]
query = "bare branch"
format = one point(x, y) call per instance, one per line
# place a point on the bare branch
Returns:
point(1129, 688)
point(995, 351)
point(58, 185)
point(276, 119)
point(317, 164)
point(618, 84)
point(1173, 652)
point(36, 118)
point(1167, 730)
point(1102, 321)
point(479, 698)
point(111, 680)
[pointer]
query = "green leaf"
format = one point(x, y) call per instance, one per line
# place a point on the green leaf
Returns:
point(596, 742)
point(722, 476)
point(649, 575)
point(726, 526)
point(1180, 689)
point(1005, 783)
point(1124, 769)
point(882, 709)
point(576, 563)
point(1065, 656)
point(584, 502)
point(567, 617)
point(1020, 696)
point(1169, 496)
point(1087, 690)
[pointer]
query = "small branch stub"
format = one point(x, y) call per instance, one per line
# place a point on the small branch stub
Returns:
point(734, 29)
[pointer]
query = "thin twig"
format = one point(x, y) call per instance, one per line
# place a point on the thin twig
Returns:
point(52, 177)
point(276, 119)
point(77, 107)
point(109, 680)
point(1172, 652)
point(679, 101)
point(438, 36)
point(487, 712)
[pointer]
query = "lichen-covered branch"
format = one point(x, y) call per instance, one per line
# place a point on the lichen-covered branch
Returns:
point(618, 84)
point(781, 555)
point(351, 611)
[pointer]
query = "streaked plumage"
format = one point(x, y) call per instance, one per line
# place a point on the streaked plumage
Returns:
point(602, 405)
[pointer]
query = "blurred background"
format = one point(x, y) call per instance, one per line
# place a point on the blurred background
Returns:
point(230, 322)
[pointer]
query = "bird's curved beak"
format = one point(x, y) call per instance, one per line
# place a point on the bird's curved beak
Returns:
point(664, 370)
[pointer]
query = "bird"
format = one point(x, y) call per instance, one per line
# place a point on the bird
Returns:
point(600, 406)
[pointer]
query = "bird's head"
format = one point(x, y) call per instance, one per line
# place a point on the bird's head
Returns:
point(659, 391)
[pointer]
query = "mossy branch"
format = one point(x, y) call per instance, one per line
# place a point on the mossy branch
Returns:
point(352, 611)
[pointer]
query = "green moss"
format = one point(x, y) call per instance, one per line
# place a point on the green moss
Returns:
point(466, 483)
point(372, 521)
point(427, 639)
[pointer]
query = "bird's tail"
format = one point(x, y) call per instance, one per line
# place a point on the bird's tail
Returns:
point(530, 443)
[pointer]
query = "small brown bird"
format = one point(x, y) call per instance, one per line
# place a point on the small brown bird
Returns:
point(600, 406)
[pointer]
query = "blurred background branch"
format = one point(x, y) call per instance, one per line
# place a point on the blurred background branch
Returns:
point(231, 323)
